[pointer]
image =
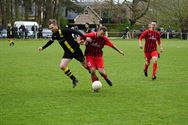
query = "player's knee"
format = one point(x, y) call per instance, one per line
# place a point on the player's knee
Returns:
point(154, 59)
point(147, 63)
point(92, 71)
point(62, 66)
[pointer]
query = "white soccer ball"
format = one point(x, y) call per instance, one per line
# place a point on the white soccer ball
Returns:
point(96, 85)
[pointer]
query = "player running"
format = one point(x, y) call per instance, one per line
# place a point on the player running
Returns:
point(152, 38)
point(94, 54)
point(10, 35)
point(70, 46)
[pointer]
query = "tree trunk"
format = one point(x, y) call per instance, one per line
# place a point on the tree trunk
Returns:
point(16, 6)
point(27, 8)
point(7, 14)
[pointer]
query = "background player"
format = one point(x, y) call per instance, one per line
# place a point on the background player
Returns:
point(70, 46)
point(10, 35)
point(152, 38)
point(94, 54)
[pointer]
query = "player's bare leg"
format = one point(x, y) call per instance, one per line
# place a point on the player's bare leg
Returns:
point(146, 65)
point(154, 67)
point(104, 75)
point(64, 66)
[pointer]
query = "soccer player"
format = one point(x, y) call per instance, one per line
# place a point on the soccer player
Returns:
point(94, 54)
point(70, 46)
point(152, 40)
point(10, 35)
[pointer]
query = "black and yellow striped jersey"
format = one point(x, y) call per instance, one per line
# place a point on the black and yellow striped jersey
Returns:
point(65, 39)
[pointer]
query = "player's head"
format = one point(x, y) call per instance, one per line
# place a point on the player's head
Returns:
point(153, 24)
point(52, 23)
point(101, 31)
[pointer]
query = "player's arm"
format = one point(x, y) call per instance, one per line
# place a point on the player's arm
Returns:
point(46, 45)
point(71, 31)
point(117, 49)
point(159, 43)
point(88, 37)
point(110, 44)
point(140, 39)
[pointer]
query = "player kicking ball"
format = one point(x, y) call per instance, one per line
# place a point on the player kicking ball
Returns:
point(95, 42)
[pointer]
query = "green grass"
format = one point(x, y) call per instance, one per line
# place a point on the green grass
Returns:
point(34, 91)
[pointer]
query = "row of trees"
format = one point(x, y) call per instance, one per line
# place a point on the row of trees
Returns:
point(172, 13)
point(166, 12)
point(38, 10)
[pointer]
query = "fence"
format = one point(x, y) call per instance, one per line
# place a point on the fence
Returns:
point(134, 34)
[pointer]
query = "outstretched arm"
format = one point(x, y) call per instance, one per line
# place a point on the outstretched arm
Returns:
point(117, 49)
point(71, 31)
point(108, 43)
point(46, 45)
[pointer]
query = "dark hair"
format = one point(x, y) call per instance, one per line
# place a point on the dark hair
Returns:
point(103, 28)
point(52, 21)
point(154, 21)
point(87, 23)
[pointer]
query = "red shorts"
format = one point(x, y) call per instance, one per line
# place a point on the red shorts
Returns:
point(95, 62)
point(148, 56)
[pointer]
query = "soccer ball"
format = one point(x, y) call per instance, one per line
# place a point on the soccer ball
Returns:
point(96, 86)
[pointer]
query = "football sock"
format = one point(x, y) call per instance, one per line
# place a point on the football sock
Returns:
point(69, 73)
point(106, 79)
point(94, 78)
point(104, 76)
point(154, 69)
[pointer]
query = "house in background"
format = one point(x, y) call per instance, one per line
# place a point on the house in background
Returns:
point(88, 16)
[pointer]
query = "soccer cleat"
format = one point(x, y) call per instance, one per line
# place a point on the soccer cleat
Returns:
point(145, 73)
point(154, 77)
point(74, 82)
point(109, 82)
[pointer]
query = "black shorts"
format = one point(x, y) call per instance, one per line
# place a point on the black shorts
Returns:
point(9, 36)
point(78, 55)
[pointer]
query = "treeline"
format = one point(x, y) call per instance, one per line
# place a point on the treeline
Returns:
point(36, 10)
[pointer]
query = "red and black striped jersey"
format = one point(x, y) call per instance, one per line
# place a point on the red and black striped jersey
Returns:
point(94, 48)
point(152, 37)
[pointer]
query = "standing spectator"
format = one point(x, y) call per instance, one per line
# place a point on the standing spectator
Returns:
point(142, 29)
point(152, 39)
point(169, 33)
point(126, 33)
point(26, 32)
point(15, 31)
point(98, 26)
point(87, 28)
point(184, 33)
point(40, 31)
point(34, 29)
point(22, 31)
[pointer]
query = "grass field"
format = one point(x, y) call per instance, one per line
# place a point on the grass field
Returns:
point(34, 91)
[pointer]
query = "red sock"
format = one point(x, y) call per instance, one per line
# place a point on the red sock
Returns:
point(154, 69)
point(94, 78)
